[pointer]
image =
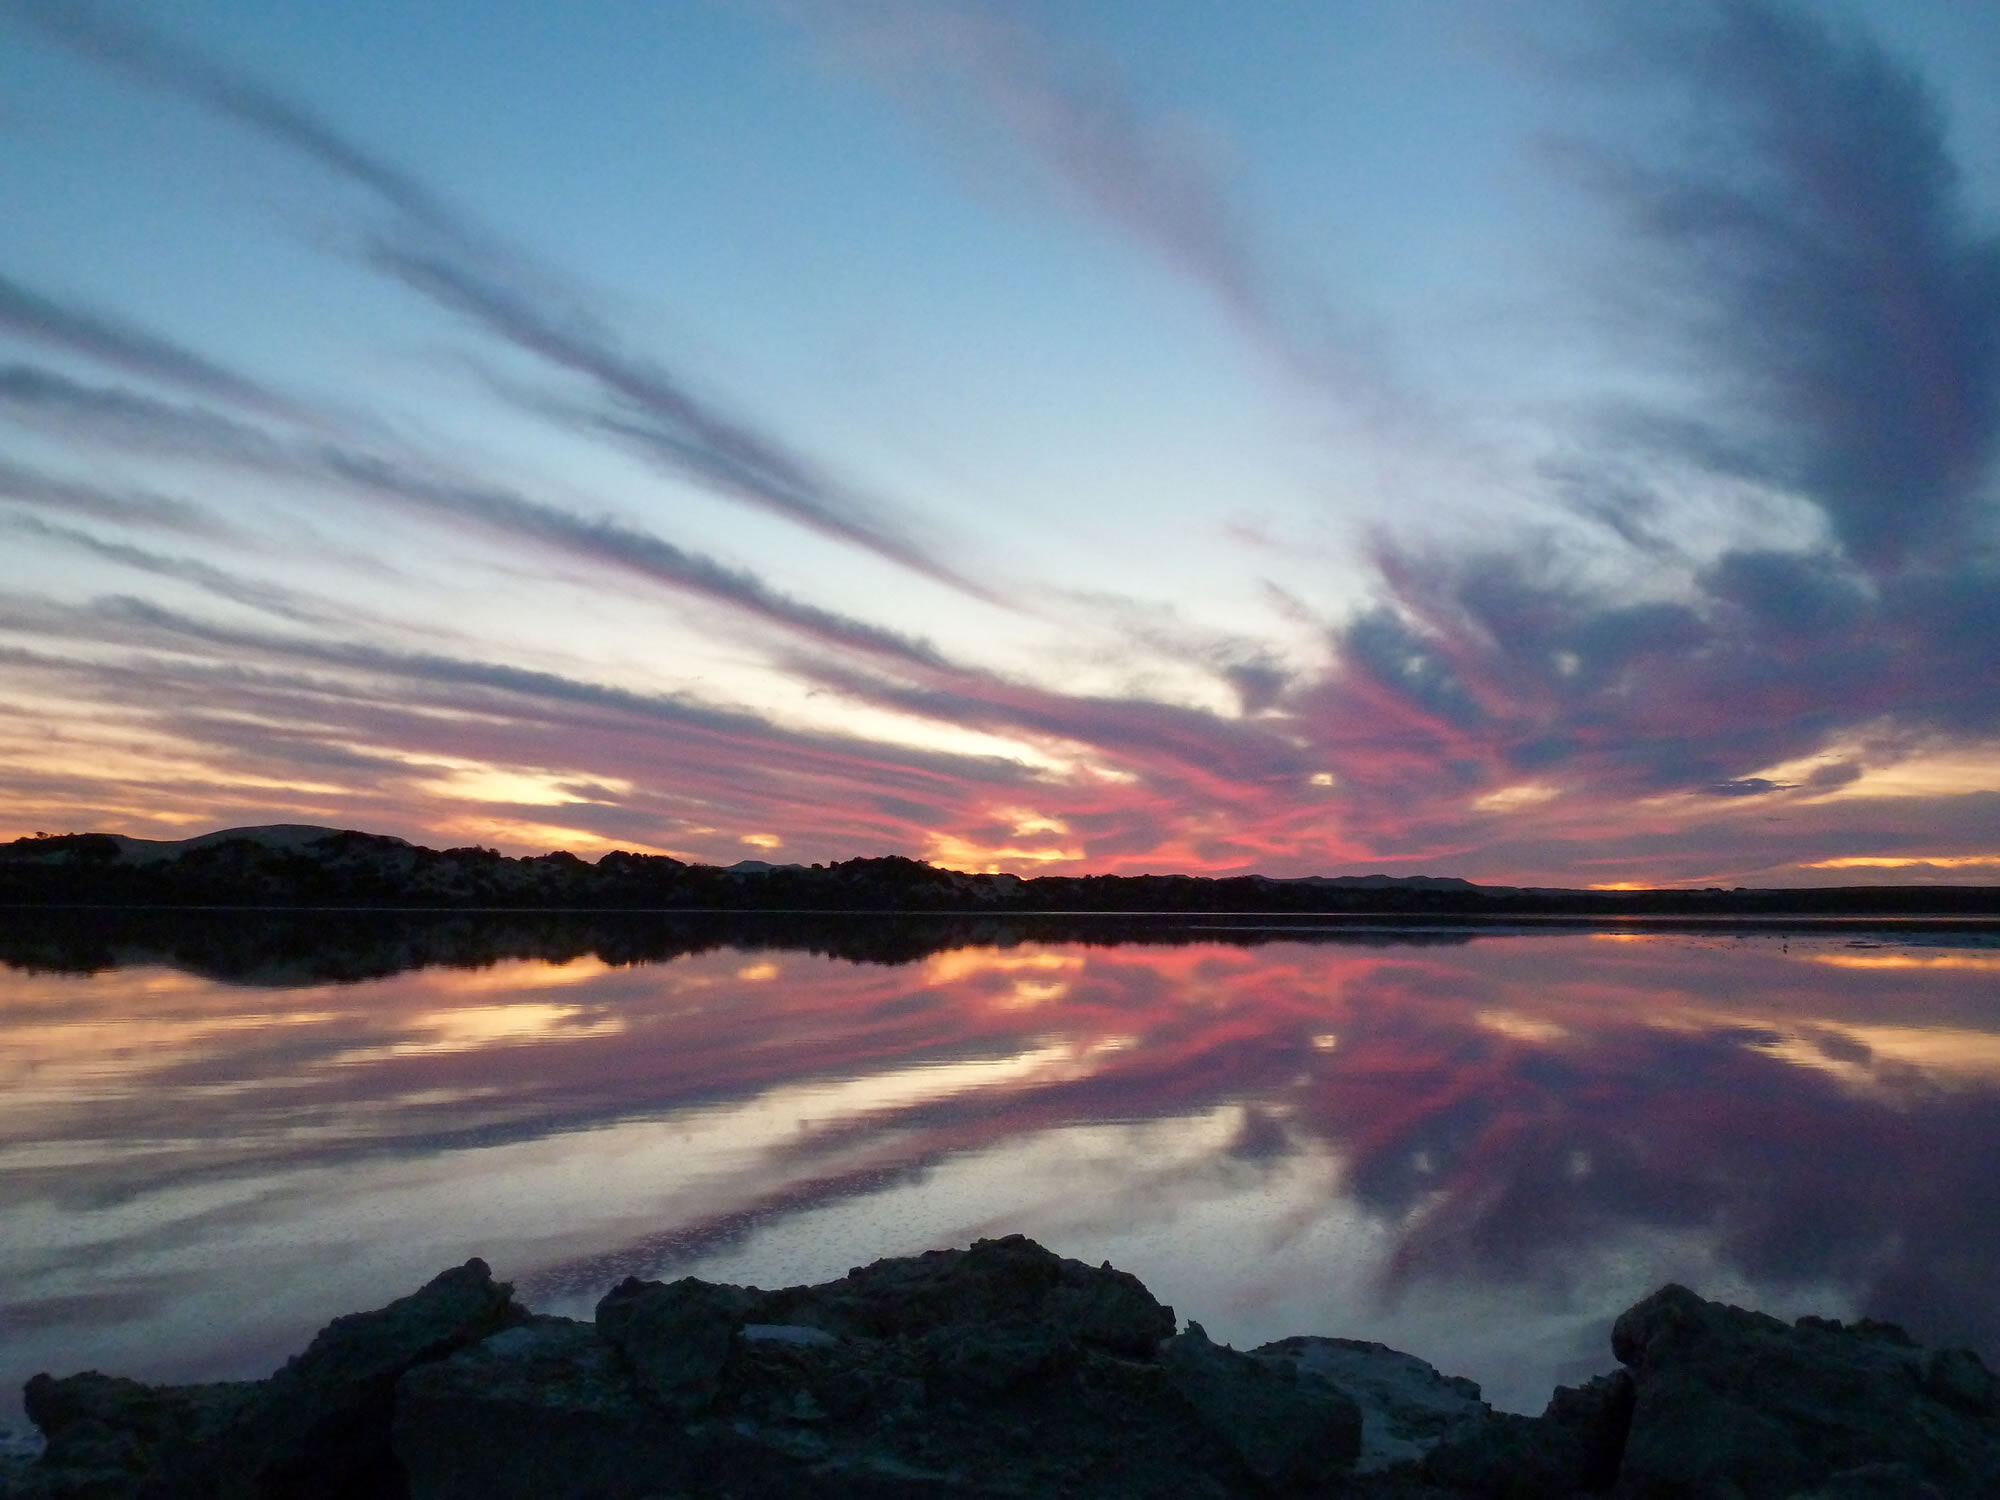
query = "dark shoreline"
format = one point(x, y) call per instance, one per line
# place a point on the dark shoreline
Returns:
point(312, 869)
point(289, 944)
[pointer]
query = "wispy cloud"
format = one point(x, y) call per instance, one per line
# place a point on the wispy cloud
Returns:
point(1155, 179)
point(204, 575)
point(197, 710)
point(439, 252)
point(49, 492)
point(117, 414)
point(27, 314)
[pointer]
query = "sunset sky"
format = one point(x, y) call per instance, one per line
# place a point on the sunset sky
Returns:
point(1547, 442)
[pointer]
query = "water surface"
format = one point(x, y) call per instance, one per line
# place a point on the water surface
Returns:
point(216, 1135)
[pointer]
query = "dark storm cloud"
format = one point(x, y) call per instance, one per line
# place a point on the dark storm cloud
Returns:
point(130, 417)
point(1801, 252)
point(440, 254)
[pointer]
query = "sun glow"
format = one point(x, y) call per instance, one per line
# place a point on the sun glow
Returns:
point(1509, 798)
point(963, 854)
point(1905, 861)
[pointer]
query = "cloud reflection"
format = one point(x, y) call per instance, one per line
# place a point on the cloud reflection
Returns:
point(1450, 1123)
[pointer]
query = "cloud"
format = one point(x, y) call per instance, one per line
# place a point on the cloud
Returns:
point(218, 581)
point(194, 719)
point(112, 37)
point(48, 492)
point(1817, 256)
point(649, 408)
point(29, 315)
point(130, 417)
point(1830, 300)
point(438, 252)
point(1155, 179)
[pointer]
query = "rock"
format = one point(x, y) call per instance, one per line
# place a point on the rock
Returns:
point(1877, 1482)
point(1728, 1401)
point(1960, 1378)
point(1291, 1428)
point(1002, 1370)
point(1595, 1423)
point(994, 1358)
point(674, 1337)
point(1407, 1408)
point(1005, 1371)
point(1010, 1282)
point(318, 1429)
point(1574, 1447)
point(106, 1436)
point(786, 1333)
point(547, 1408)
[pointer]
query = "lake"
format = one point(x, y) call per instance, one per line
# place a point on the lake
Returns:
point(1477, 1145)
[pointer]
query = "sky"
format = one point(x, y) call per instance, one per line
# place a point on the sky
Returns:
point(1549, 443)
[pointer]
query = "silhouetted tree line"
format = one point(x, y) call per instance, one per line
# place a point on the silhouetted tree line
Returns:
point(359, 870)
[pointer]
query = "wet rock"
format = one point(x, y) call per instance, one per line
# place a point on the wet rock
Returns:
point(1290, 1427)
point(1729, 1401)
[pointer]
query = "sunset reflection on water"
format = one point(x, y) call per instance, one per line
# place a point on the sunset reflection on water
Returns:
point(1478, 1150)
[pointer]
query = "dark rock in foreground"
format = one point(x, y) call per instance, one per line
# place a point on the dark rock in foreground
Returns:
point(1005, 1370)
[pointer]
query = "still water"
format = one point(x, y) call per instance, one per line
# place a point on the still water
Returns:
point(1474, 1147)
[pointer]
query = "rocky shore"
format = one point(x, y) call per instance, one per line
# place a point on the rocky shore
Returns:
point(1004, 1370)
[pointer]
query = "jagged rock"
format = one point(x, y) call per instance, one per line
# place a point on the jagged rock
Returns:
point(674, 1337)
point(1407, 1408)
point(547, 1408)
point(1005, 1370)
point(1574, 1447)
point(999, 1370)
point(318, 1429)
point(107, 1436)
point(1009, 1282)
point(1291, 1428)
point(1734, 1402)
point(1877, 1482)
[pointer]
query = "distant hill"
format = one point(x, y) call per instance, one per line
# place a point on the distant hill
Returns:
point(293, 865)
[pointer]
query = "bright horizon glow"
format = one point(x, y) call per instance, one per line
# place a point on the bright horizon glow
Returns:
point(1547, 444)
